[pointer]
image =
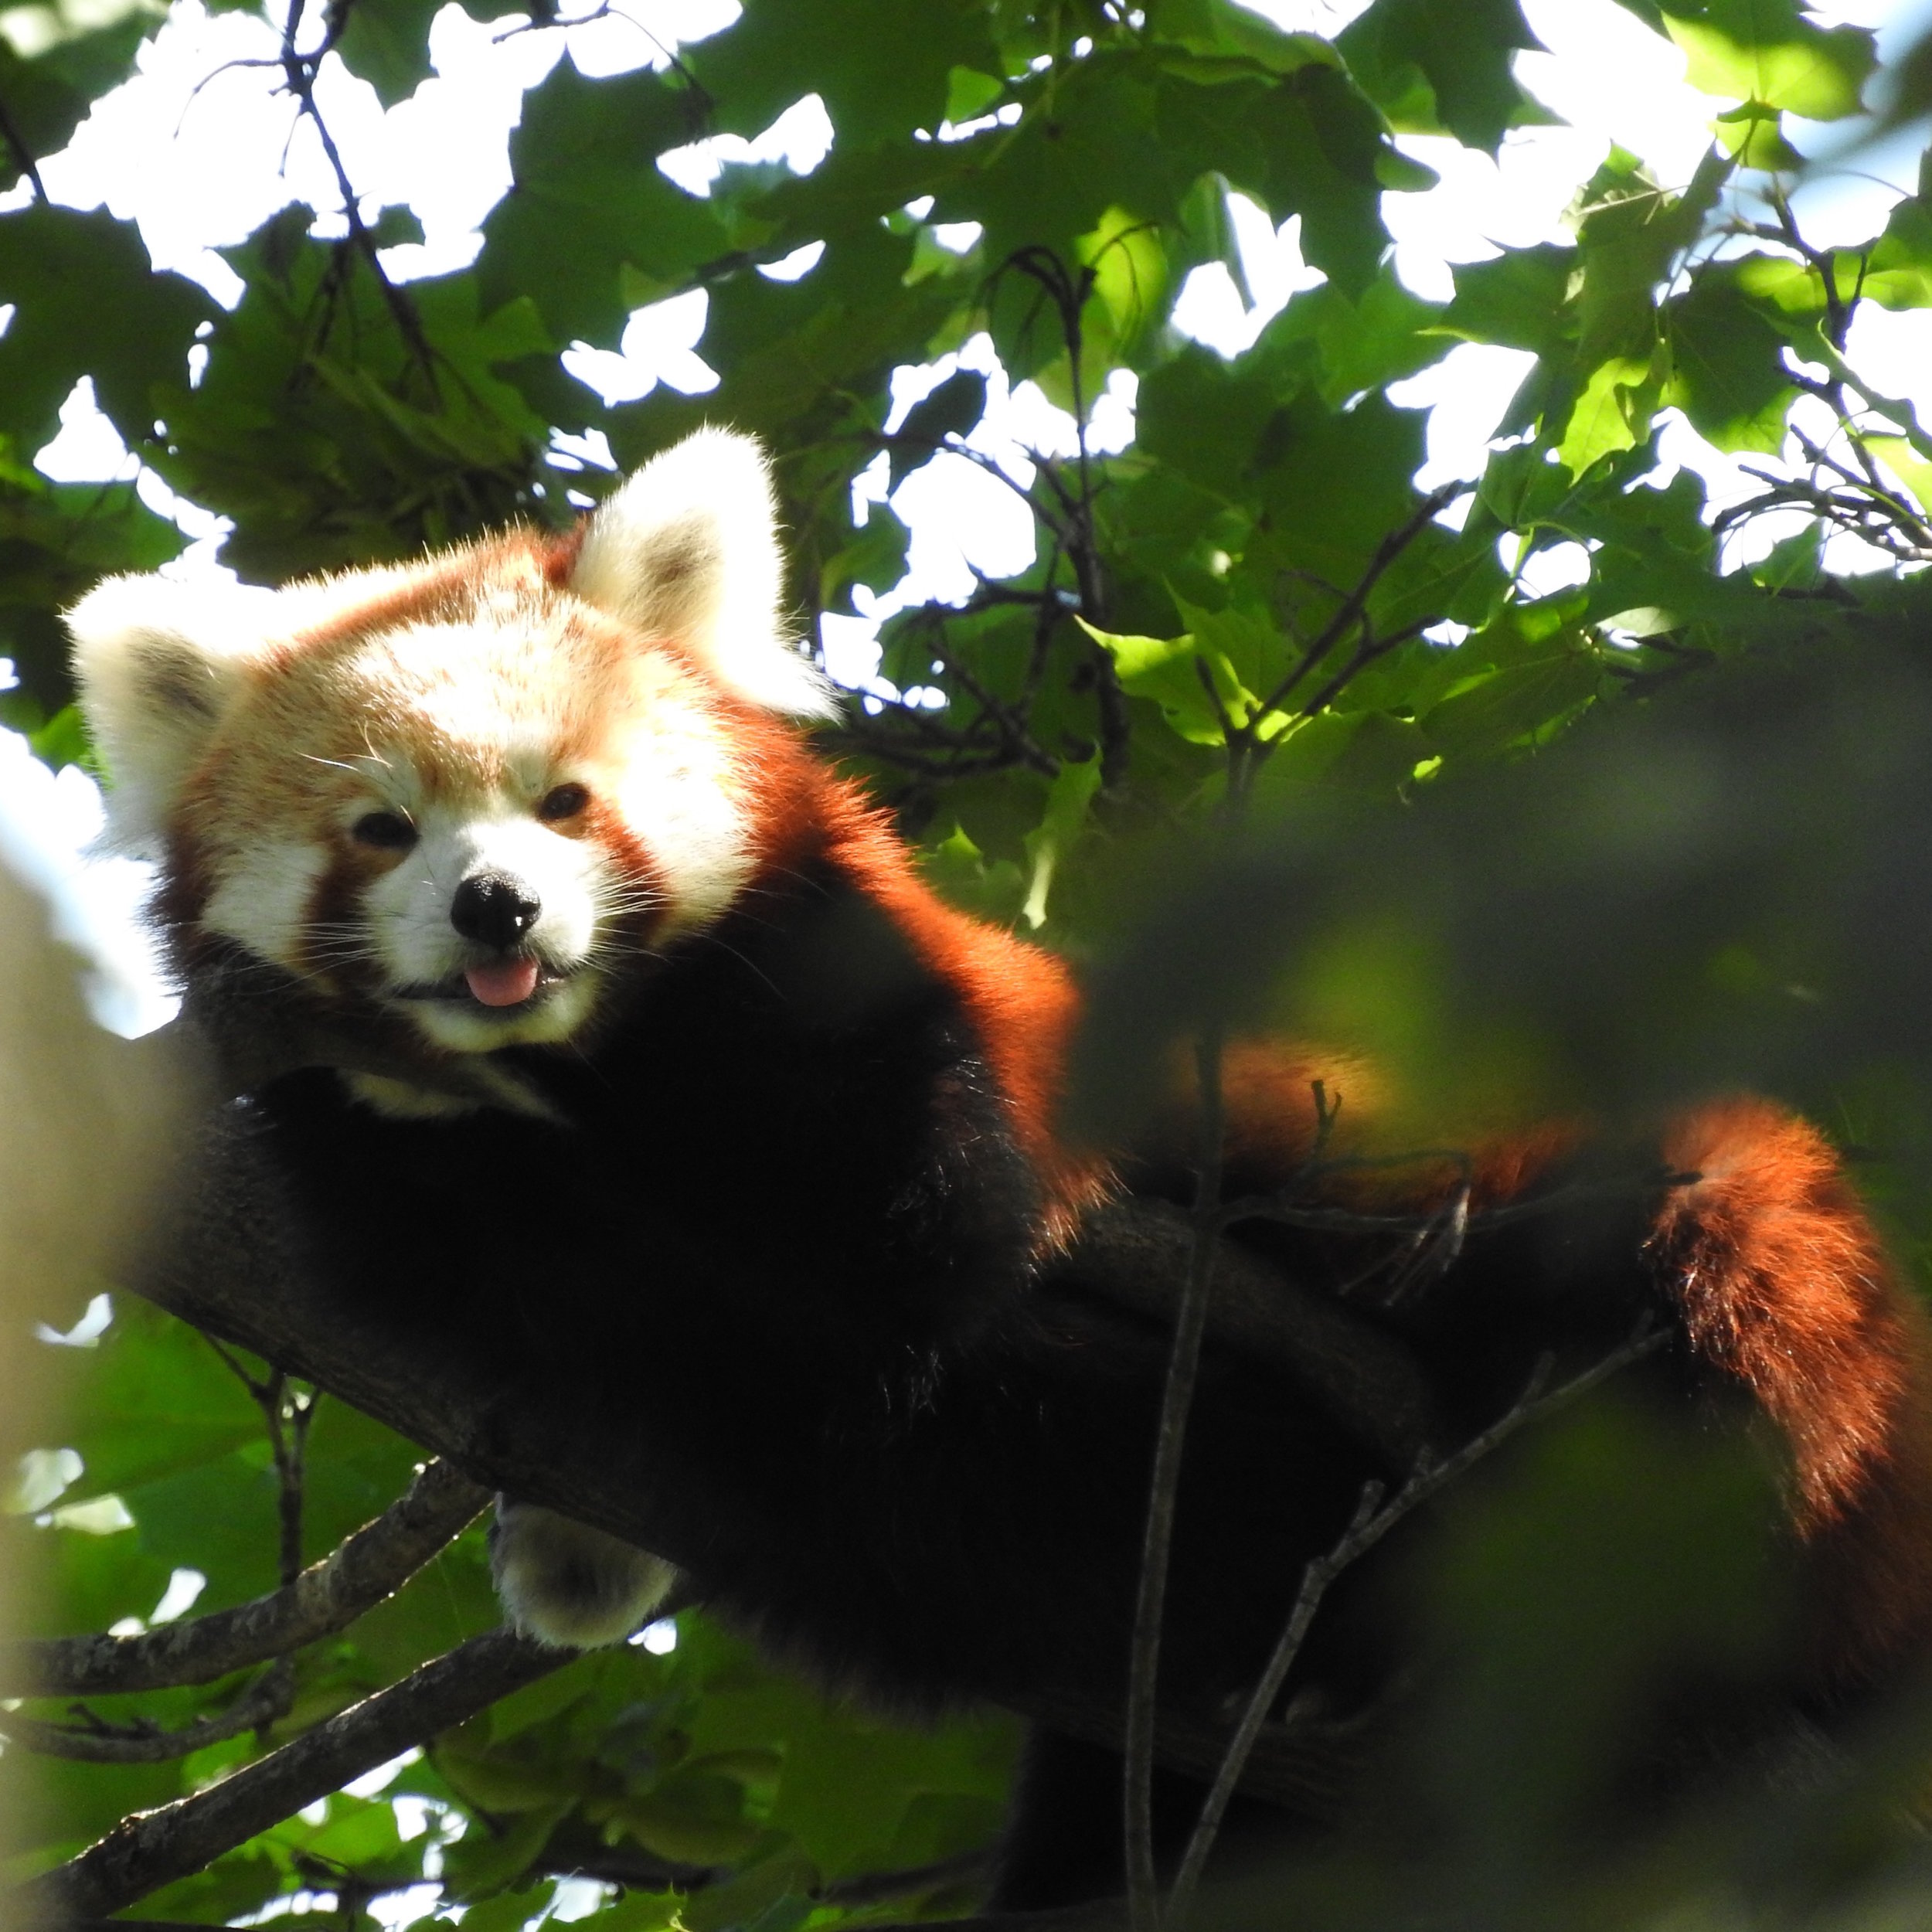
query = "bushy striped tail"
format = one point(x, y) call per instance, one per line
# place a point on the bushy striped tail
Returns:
point(1782, 1283)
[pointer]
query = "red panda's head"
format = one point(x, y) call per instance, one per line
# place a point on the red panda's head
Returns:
point(468, 789)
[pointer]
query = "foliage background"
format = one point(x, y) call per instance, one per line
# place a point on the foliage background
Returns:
point(1710, 871)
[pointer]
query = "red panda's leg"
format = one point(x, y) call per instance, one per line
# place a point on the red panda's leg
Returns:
point(1782, 1283)
point(568, 1585)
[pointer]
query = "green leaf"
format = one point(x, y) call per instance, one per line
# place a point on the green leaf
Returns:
point(1385, 335)
point(1366, 752)
point(876, 558)
point(1904, 462)
point(950, 409)
point(1460, 51)
point(1753, 135)
point(960, 871)
point(586, 202)
point(388, 46)
point(153, 1399)
point(332, 435)
point(1335, 483)
point(1522, 700)
point(49, 93)
point(1068, 798)
point(880, 71)
point(1128, 267)
point(1217, 28)
point(1897, 273)
point(1169, 671)
point(1627, 240)
point(1768, 51)
point(1205, 417)
point(1517, 301)
point(89, 304)
point(1727, 369)
point(56, 540)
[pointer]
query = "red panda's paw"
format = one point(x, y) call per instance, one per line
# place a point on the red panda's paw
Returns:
point(568, 1585)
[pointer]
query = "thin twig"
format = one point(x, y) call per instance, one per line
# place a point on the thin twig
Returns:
point(1143, 1683)
point(953, 445)
point(1373, 1520)
point(1136, 1254)
point(1387, 552)
point(90, 1739)
point(299, 71)
point(1371, 650)
point(1068, 294)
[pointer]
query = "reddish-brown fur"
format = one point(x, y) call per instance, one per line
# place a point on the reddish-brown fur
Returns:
point(1021, 998)
point(1783, 1284)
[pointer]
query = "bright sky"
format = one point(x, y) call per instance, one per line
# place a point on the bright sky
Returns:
point(200, 170)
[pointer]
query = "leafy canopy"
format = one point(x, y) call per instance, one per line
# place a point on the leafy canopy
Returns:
point(1250, 610)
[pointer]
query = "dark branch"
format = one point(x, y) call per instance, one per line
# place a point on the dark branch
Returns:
point(1069, 1917)
point(91, 1740)
point(1371, 650)
point(1136, 1253)
point(377, 1560)
point(638, 1870)
point(150, 1850)
point(299, 70)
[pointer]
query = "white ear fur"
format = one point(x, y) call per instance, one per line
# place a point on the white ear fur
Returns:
point(689, 548)
point(159, 662)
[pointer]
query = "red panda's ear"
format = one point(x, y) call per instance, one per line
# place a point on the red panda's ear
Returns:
point(689, 548)
point(159, 662)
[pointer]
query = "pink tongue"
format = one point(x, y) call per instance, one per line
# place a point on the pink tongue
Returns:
point(509, 983)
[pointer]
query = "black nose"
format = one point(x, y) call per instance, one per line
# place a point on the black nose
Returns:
point(494, 909)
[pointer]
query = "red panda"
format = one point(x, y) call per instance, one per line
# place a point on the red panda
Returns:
point(700, 1105)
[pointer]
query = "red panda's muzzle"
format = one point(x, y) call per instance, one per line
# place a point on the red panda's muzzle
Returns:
point(498, 908)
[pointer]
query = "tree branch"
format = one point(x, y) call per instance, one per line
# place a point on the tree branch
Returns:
point(300, 72)
point(376, 1561)
point(1135, 1253)
point(92, 1741)
point(150, 1850)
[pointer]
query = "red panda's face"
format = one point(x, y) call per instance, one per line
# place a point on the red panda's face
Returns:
point(473, 793)
point(473, 824)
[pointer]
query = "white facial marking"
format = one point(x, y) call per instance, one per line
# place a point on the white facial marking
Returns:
point(408, 911)
point(677, 793)
point(263, 900)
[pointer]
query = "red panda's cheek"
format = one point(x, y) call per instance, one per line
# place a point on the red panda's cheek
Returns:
point(633, 893)
point(337, 948)
point(262, 897)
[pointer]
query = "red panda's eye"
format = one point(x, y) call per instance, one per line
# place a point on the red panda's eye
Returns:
point(386, 829)
point(565, 801)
